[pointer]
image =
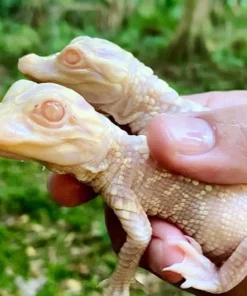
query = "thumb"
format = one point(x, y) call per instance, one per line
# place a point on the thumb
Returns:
point(209, 146)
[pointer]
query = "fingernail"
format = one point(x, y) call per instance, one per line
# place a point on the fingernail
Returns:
point(189, 135)
point(171, 277)
point(161, 254)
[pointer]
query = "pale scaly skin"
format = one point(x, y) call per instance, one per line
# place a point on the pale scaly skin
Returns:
point(109, 78)
point(57, 127)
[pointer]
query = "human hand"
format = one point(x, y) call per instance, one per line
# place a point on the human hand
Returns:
point(214, 149)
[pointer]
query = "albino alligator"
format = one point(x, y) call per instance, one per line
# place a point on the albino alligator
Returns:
point(54, 125)
point(111, 79)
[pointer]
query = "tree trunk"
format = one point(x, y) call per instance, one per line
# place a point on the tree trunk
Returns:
point(112, 17)
point(189, 37)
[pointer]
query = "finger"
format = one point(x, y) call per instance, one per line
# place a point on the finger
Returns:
point(210, 146)
point(219, 99)
point(159, 254)
point(67, 191)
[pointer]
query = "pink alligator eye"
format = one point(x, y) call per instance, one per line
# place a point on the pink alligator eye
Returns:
point(72, 57)
point(52, 111)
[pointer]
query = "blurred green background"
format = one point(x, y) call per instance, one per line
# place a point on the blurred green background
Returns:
point(195, 45)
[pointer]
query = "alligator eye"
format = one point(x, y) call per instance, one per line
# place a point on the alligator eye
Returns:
point(71, 56)
point(52, 111)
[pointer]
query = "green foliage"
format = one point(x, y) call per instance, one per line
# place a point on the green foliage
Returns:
point(145, 28)
point(36, 236)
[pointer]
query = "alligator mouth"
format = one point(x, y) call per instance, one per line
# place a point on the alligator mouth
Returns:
point(10, 155)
